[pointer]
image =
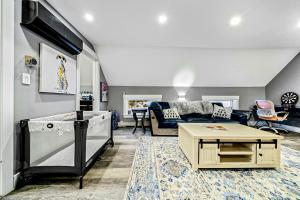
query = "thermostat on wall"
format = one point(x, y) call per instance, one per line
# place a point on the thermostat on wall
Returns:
point(26, 79)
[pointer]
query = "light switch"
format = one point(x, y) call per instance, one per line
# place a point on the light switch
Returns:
point(26, 79)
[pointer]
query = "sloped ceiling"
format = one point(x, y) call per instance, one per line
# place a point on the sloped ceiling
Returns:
point(132, 66)
point(197, 42)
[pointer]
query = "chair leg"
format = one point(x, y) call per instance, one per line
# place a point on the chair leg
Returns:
point(255, 125)
point(277, 128)
point(268, 128)
point(282, 129)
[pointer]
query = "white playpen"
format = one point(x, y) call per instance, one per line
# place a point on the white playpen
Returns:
point(64, 144)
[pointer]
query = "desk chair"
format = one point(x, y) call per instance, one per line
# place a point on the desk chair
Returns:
point(266, 112)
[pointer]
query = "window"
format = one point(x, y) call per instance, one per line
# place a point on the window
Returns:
point(137, 101)
point(227, 101)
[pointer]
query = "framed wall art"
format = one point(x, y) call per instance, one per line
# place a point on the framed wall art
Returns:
point(104, 92)
point(57, 71)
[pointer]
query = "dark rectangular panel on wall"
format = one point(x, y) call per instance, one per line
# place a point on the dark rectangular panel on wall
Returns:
point(41, 21)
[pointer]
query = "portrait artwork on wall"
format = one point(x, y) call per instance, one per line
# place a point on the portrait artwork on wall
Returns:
point(104, 92)
point(57, 71)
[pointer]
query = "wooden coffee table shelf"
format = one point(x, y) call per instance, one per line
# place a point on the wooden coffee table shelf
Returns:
point(235, 150)
point(233, 146)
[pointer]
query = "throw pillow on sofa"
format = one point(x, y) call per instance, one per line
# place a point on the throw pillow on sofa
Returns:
point(171, 113)
point(221, 112)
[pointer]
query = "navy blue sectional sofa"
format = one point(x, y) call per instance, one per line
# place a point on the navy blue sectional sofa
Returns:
point(162, 126)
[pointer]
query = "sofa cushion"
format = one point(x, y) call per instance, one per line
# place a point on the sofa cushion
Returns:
point(199, 120)
point(196, 117)
point(221, 112)
point(169, 123)
point(220, 120)
point(188, 107)
point(171, 113)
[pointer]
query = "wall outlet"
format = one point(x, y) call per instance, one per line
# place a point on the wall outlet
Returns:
point(26, 79)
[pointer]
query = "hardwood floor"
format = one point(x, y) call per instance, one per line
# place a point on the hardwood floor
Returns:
point(107, 179)
point(291, 140)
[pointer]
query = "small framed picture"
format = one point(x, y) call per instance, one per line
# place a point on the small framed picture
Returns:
point(104, 92)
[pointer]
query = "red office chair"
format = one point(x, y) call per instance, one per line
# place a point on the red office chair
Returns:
point(266, 112)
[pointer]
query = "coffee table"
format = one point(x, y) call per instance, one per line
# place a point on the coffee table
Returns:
point(212, 145)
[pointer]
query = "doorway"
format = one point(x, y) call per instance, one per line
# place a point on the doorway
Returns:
point(88, 81)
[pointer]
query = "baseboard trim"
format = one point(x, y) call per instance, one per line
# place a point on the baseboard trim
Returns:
point(130, 123)
point(289, 128)
point(16, 177)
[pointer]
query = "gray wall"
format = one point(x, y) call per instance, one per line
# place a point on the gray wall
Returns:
point(288, 80)
point(29, 103)
point(247, 95)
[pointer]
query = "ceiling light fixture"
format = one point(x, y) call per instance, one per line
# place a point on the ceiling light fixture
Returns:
point(162, 19)
point(298, 25)
point(235, 21)
point(88, 17)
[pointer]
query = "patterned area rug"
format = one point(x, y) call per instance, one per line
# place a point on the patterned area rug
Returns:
point(161, 171)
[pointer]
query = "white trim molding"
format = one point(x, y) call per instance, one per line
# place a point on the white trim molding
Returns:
point(6, 96)
point(144, 97)
point(235, 100)
point(96, 86)
point(90, 54)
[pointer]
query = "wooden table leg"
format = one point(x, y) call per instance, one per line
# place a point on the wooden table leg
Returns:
point(134, 129)
point(136, 122)
point(195, 157)
point(143, 126)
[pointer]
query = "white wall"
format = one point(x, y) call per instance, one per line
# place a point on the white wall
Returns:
point(86, 73)
point(158, 66)
point(6, 95)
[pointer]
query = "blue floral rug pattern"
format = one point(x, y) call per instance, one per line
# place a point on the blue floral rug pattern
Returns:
point(161, 171)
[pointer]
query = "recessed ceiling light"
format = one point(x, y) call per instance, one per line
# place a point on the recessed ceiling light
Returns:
point(162, 19)
point(298, 25)
point(89, 17)
point(235, 21)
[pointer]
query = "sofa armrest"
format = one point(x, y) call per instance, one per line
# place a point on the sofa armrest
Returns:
point(240, 117)
point(153, 123)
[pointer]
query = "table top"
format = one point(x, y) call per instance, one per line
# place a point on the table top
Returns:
point(139, 110)
point(225, 131)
